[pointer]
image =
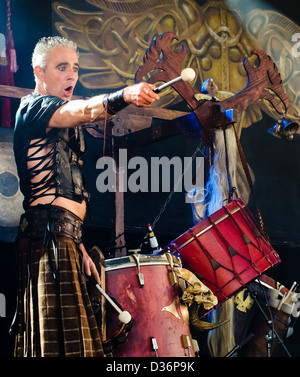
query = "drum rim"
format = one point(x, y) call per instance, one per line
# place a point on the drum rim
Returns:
point(198, 234)
point(128, 262)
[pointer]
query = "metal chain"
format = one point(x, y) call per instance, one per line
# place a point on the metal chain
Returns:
point(163, 208)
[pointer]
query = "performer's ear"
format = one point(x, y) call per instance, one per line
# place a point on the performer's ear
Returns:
point(39, 72)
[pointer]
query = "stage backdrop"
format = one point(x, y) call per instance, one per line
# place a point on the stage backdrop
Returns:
point(218, 35)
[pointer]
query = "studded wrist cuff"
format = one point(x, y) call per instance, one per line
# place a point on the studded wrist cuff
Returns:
point(114, 102)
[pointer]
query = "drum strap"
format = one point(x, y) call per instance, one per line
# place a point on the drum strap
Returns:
point(248, 176)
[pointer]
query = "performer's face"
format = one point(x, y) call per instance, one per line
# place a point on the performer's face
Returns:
point(61, 73)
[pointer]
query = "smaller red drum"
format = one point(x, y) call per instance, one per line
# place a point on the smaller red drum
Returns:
point(146, 287)
point(226, 250)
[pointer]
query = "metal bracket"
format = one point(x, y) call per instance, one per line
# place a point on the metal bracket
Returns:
point(140, 275)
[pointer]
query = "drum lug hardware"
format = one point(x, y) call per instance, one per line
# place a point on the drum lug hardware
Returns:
point(186, 343)
point(196, 347)
point(139, 275)
point(154, 345)
point(173, 278)
point(179, 262)
point(141, 279)
point(172, 275)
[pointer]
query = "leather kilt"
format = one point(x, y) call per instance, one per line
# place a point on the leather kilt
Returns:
point(54, 312)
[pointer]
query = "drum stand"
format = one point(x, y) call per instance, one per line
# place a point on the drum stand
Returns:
point(239, 346)
point(272, 334)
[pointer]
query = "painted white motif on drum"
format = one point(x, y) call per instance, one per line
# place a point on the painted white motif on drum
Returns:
point(130, 294)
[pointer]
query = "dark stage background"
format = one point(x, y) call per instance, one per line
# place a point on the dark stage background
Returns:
point(275, 164)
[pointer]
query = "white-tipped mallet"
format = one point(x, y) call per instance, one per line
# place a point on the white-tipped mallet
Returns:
point(187, 74)
point(124, 316)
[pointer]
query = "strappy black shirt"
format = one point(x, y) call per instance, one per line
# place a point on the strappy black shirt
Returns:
point(59, 165)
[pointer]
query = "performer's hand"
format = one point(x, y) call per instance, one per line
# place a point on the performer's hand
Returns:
point(140, 94)
point(88, 266)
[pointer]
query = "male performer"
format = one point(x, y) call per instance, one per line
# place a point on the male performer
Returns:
point(54, 314)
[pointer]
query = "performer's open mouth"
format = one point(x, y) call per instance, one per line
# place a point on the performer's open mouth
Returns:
point(68, 91)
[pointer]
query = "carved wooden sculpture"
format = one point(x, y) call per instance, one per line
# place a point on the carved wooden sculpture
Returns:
point(264, 82)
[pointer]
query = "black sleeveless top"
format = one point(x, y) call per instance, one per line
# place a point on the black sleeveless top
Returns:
point(60, 164)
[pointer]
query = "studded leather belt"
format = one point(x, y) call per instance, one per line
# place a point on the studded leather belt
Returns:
point(39, 220)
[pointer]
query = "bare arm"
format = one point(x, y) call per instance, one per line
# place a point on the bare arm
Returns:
point(78, 112)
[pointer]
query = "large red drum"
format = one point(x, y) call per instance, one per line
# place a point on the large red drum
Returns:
point(144, 286)
point(226, 250)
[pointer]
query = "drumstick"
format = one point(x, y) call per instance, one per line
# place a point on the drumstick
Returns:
point(188, 74)
point(291, 291)
point(287, 295)
point(124, 316)
point(282, 301)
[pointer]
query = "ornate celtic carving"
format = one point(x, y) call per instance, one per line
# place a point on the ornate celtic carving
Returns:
point(113, 38)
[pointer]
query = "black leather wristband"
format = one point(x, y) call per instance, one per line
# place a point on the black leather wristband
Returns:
point(114, 102)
